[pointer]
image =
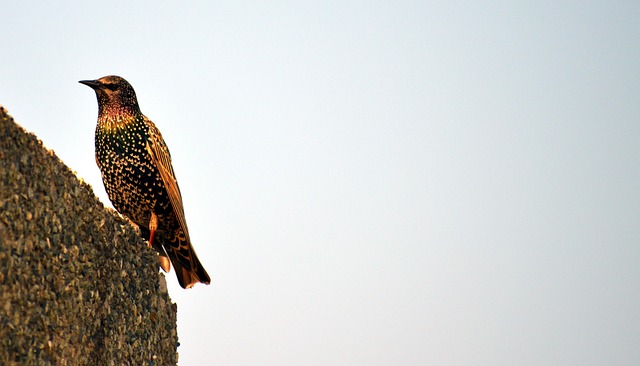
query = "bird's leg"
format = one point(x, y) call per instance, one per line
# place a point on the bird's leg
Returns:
point(153, 226)
point(163, 260)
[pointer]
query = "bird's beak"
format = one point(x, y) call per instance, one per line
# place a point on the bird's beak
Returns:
point(93, 84)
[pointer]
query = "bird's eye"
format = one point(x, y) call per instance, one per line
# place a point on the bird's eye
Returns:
point(112, 87)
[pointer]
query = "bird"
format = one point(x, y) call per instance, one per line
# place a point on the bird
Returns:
point(138, 175)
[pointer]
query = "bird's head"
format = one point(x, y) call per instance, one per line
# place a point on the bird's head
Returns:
point(114, 93)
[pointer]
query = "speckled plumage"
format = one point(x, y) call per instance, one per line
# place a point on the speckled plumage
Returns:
point(137, 173)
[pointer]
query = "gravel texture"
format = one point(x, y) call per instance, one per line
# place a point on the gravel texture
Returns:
point(78, 286)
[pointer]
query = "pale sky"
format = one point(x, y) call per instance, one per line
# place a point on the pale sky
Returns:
point(372, 183)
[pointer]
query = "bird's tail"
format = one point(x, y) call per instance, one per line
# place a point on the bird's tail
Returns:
point(188, 268)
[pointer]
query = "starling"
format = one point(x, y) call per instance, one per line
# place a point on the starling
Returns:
point(137, 173)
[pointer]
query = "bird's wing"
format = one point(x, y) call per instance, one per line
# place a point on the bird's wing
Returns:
point(159, 152)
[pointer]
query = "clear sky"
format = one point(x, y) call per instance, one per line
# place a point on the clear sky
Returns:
point(372, 183)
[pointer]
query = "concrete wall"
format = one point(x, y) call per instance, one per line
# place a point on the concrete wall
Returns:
point(77, 284)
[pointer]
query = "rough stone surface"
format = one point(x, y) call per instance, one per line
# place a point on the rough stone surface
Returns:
point(78, 286)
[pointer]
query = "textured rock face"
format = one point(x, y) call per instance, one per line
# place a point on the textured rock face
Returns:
point(78, 286)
